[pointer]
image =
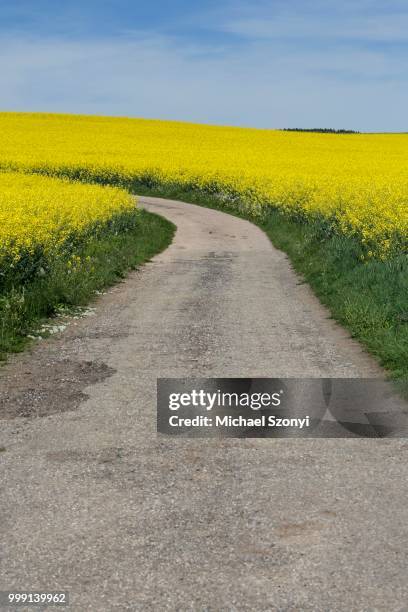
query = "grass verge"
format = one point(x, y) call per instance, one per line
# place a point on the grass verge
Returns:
point(73, 280)
point(369, 298)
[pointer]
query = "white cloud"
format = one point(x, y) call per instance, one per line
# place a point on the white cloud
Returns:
point(259, 84)
point(388, 28)
point(316, 20)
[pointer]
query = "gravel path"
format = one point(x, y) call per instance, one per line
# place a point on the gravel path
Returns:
point(95, 503)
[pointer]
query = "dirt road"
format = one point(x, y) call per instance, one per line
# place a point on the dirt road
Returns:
point(95, 503)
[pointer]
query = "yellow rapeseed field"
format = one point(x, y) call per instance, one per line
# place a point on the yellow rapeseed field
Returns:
point(40, 215)
point(358, 184)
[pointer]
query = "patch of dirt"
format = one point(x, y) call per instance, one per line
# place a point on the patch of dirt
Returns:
point(45, 388)
point(104, 455)
point(305, 532)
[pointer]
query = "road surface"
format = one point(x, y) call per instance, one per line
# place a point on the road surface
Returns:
point(93, 502)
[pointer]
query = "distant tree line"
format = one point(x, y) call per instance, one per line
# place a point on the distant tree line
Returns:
point(321, 130)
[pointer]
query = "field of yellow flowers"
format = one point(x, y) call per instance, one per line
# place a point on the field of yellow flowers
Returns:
point(42, 217)
point(356, 184)
point(337, 204)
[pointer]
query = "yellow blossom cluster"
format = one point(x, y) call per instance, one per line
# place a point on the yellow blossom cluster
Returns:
point(43, 216)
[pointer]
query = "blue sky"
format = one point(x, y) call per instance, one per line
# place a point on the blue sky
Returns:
point(275, 63)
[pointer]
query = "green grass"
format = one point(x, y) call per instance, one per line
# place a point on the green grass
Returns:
point(369, 298)
point(26, 302)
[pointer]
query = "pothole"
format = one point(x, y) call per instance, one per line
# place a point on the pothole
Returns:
point(49, 388)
